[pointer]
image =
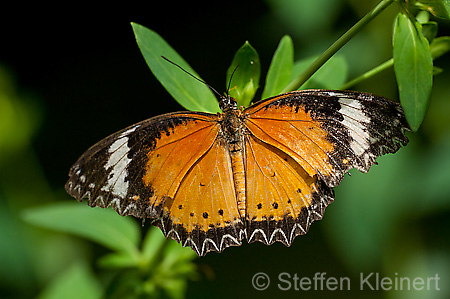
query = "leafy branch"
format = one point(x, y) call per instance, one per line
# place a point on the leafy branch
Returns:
point(412, 60)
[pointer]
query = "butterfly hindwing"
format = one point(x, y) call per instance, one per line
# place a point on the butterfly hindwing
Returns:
point(283, 199)
point(329, 132)
point(203, 213)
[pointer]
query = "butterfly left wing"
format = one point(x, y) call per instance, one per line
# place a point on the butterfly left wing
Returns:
point(203, 213)
point(328, 132)
point(136, 169)
point(171, 169)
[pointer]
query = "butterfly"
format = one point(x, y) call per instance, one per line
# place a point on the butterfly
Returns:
point(263, 173)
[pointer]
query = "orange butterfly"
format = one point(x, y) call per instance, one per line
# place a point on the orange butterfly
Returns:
point(264, 173)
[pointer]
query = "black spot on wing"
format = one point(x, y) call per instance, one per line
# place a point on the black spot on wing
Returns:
point(269, 230)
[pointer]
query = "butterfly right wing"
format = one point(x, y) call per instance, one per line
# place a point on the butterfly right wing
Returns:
point(282, 198)
point(328, 132)
point(300, 145)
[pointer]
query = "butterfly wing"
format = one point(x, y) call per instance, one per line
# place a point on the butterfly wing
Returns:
point(282, 198)
point(149, 170)
point(204, 213)
point(329, 132)
point(301, 144)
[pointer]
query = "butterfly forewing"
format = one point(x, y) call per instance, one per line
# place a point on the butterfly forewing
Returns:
point(135, 170)
point(329, 132)
point(297, 135)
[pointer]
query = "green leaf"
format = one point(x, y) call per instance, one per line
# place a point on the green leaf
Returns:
point(413, 65)
point(171, 270)
point(447, 6)
point(77, 281)
point(175, 287)
point(176, 266)
point(118, 260)
point(438, 8)
point(187, 91)
point(103, 226)
point(174, 255)
point(429, 30)
point(247, 71)
point(439, 46)
point(152, 245)
point(280, 70)
point(332, 75)
point(423, 17)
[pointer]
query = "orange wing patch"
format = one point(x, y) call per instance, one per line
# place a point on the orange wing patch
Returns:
point(283, 199)
point(328, 132)
point(203, 213)
point(135, 170)
point(174, 154)
point(291, 129)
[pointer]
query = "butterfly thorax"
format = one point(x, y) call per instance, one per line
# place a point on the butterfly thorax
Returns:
point(231, 123)
point(233, 132)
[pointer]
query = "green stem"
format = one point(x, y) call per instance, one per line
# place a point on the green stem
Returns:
point(368, 74)
point(294, 85)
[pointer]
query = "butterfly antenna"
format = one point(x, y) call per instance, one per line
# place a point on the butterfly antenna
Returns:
point(198, 79)
point(231, 77)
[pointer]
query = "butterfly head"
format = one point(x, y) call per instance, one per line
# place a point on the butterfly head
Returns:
point(227, 103)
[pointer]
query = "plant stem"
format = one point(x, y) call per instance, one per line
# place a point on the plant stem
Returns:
point(336, 46)
point(368, 74)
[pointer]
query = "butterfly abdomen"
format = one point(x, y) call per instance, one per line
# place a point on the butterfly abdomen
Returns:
point(237, 165)
point(233, 135)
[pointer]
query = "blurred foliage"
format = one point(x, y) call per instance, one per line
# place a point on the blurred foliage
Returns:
point(395, 219)
point(50, 259)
